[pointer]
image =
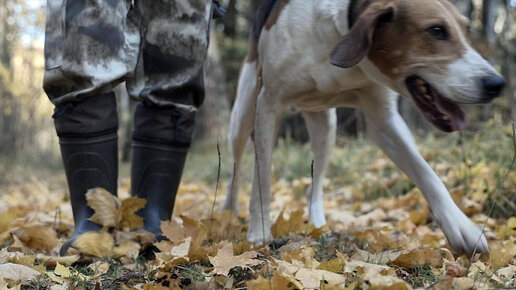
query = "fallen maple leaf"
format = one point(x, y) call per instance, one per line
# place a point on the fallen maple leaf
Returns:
point(17, 273)
point(422, 257)
point(501, 253)
point(311, 279)
point(454, 269)
point(95, 244)
point(105, 206)
point(129, 249)
point(38, 237)
point(126, 217)
point(293, 224)
point(225, 260)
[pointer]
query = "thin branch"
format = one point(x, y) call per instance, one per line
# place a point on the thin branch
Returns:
point(216, 190)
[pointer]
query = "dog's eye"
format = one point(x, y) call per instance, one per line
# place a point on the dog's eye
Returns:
point(438, 32)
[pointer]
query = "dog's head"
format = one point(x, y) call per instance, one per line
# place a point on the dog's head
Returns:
point(419, 49)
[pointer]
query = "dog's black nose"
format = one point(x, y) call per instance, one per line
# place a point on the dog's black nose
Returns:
point(492, 86)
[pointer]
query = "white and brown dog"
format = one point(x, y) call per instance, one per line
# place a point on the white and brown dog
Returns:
point(318, 55)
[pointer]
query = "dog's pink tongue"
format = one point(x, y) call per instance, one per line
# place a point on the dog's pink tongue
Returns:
point(455, 114)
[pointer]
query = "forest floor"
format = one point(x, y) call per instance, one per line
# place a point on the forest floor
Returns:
point(379, 235)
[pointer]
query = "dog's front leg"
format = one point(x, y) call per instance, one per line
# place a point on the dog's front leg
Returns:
point(267, 112)
point(389, 131)
point(322, 129)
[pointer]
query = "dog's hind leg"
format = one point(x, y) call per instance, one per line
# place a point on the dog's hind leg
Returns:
point(240, 127)
point(322, 129)
point(267, 113)
point(389, 131)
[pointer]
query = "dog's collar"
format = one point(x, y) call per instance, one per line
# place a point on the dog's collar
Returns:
point(355, 8)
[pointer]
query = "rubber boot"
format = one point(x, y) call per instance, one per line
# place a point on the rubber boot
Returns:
point(161, 138)
point(88, 140)
point(156, 174)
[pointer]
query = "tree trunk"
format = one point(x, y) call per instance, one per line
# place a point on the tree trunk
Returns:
point(230, 20)
point(489, 14)
point(465, 7)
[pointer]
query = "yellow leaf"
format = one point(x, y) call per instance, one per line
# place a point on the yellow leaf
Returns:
point(420, 216)
point(105, 206)
point(284, 281)
point(62, 271)
point(259, 284)
point(225, 260)
point(293, 224)
point(311, 279)
point(37, 237)
point(95, 244)
point(17, 273)
point(501, 253)
point(303, 257)
point(129, 249)
point(52, 260)
point(126, 216)
point(336, 265)
point(375, 241)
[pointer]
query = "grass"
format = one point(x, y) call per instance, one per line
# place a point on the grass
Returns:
point(357, 163)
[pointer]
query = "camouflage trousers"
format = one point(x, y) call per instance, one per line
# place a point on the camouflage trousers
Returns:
point(157, 46)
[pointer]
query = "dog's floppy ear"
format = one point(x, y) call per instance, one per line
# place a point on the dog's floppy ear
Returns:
point(356, 44)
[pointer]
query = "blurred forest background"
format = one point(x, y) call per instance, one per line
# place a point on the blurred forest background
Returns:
point(28, 144)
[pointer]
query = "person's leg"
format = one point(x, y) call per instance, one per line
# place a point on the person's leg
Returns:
point(90, 46)
point(87, 133)
point(169, 80)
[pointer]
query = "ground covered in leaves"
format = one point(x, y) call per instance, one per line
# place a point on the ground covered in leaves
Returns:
point(380, 234)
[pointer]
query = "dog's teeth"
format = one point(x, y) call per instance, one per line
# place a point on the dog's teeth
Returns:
point(445, 118)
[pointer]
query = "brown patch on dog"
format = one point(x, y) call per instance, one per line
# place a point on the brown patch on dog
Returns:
point(252, 55)
point(275, 13)
point(403, 46)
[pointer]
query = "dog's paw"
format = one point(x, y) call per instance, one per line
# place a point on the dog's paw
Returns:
point(257, 234)
point(317, 214)
point(463, 235)
point(230, 205)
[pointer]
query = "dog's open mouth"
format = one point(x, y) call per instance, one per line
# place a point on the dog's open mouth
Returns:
point(444, 114)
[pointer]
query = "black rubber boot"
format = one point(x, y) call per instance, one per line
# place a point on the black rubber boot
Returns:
point(161, 138)
point(88, 138)
point(156, 174)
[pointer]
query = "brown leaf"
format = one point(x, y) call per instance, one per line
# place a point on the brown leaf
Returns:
point(126, 217)
point(105, 206)
point(37, 237)
point(95, 244)
point(454, 269)
point(375, 241)
point(225, 260)
point(17, 273)
point(293, 224)
point(418, 258)
point(173, 230)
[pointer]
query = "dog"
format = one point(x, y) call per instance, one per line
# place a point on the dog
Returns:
point(318, 55)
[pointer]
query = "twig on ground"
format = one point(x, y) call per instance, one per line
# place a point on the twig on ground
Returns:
point(310, 201)
point(216, 190)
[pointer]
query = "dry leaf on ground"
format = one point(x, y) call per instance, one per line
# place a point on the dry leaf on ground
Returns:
point(225, 260)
